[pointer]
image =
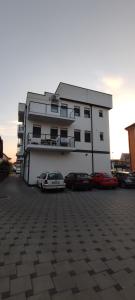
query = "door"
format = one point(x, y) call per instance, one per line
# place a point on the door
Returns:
point(64, 110)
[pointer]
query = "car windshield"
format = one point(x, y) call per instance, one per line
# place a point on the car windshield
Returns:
point(55, 176)
point(82, 175)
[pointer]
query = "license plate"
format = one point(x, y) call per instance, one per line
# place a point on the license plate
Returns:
point(55, 182)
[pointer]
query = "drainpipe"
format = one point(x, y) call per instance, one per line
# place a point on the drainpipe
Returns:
point(92, 154)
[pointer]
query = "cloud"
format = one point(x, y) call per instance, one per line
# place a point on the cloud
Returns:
point(113, 83)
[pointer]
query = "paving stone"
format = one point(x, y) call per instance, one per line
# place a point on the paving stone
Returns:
point(44, 268)
point(42, 283)
point(104, 280)
point(84, 281)
point(20, 285)
point(25, 269)
point(42, 296)
point(111, 294)
point(63, 296)
point(64, 282)
point(4, 285)
point(8, 270)
point(17, 297)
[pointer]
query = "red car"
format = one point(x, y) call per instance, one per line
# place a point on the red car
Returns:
point(104, 180)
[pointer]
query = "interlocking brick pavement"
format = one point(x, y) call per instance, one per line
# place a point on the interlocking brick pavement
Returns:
point(70, 245)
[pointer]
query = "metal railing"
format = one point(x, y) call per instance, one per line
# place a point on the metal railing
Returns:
point(43, 109)
point(48, 140)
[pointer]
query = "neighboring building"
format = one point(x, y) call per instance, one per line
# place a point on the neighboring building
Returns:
point(1, 148)
point(131, 140)
point(66, 131)
point(121, 164)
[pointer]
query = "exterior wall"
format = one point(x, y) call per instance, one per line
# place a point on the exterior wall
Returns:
point(102, 163)
point(69, 162)
point(41, 160)
point(76, 93)
point(131, 138)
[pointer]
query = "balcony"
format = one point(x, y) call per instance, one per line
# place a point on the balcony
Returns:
point(48, 112)
point(21, 109)
point(20, 151)
point(46, 142)
point(20, 131)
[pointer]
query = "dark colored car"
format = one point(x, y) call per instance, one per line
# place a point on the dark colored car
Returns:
point(77, 181)
point(125, 179)
point(104, 180)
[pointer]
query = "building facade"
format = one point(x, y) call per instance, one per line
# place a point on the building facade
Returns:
point(131, 141)
point(66, 131)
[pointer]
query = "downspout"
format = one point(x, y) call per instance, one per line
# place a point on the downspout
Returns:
point(92, 154)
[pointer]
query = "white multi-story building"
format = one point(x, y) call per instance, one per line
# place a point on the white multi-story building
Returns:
point(66, 131)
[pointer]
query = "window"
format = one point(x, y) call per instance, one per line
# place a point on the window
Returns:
point(77, 111)
point(101, 135)
point(54, 133)
point(77, 135)
point(87, 136)
point(54, 107)
point(100, 113)
point(64, 110)
point(36, 131)
point(64, 133)
point(86, 113)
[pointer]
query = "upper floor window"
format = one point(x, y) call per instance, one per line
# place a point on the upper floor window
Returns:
point(86, 113)
point(64, 110)
point(36, 131)
point(101, 135)
point(54, 107)
point(77, 111)
point(77, 135)
point(64, 133)
point(87, 136)
point(54, 133)
point(101, 113)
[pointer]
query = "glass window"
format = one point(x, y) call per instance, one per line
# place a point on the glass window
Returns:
point(101, 135)
point(55, 176)
point(77, 135)
point(77, 111)
point(64, 110)
point(54, 107)
point(86, 113)
point(36, 131)
point(64, 133)
point(100, 113)
point(87, 136)
point(54, 133)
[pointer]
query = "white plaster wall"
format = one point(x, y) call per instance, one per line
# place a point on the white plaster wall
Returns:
point(42, 161)
point(68, 91)
point(26, 169)
point(102, 163)
point(100, 125)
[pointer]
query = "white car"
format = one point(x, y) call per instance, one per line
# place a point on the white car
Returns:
point(50, 181)
point(40, 179)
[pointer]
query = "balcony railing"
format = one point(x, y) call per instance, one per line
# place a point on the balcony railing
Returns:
point(20, 130)
point(43, 110)
point(21, 109)
point(48, 141)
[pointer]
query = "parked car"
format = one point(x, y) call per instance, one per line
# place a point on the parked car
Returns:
point(76, 180)
point(104, 180)
point(125, 179)
point(40, 179)
point(51, 181)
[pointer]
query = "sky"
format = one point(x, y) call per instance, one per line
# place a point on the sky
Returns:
point(88, 43)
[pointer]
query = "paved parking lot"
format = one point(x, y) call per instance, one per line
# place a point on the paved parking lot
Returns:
point(64, 246)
